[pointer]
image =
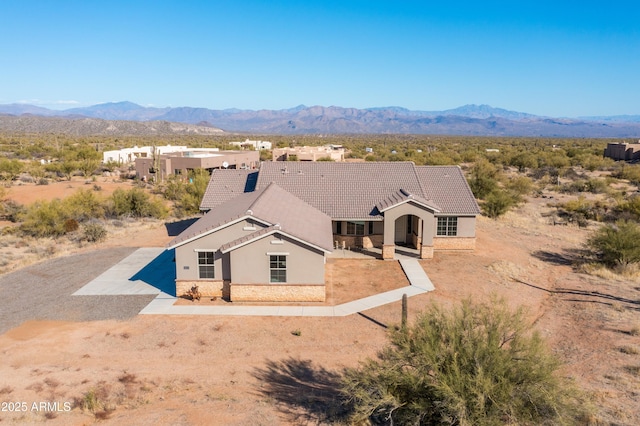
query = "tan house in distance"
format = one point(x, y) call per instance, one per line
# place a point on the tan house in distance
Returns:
point(267, 232)
point(181, 162)
point(623, 151)
point(309, 153)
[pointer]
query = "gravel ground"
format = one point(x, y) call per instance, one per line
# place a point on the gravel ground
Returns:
point(43, 291)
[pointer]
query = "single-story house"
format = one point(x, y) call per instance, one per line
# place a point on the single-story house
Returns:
point(181, 162)
point(267, 232)
point(623, 151)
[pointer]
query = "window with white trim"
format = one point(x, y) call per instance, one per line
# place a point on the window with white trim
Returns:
point(206, 268)
point(277, 268)
point(447, 226)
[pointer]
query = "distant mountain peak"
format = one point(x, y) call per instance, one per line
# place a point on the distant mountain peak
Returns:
point(471, 119)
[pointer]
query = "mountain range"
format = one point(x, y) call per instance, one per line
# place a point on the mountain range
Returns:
point(471, 120)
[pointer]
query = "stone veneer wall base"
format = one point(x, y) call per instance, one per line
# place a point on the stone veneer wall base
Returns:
point(278, 293)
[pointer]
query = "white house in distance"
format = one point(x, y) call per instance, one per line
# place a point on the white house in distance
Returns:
point(257, 145)
point(310, 153)
point(129, 155)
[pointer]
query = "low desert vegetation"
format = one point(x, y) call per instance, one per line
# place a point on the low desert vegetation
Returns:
point(477, 364)
point(57, 217)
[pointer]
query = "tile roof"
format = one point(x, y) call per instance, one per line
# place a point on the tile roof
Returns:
point(448, 188)
point(403, 196)
point(355, 191)
point(226, 184)
point(342, 190)
point(271, 205)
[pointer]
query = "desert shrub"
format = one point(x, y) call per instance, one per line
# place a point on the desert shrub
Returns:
point(135, 202)
point(630, 205)
point(524, 161)
point(631, 172)
point(483, 178)
point(44, 219)
point(520, 185)
point(85, 205)
point(497, 203)
point(574, 187)
point(174, 188)
point(94, 232)
point(478, 364)
point(617, 245)
point(581, 209)
point(10, 169)
point(11, 211)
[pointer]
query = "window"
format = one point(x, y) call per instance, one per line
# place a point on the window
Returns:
point(447, 226)
point(278, 268)
point(370, 228)
point(339, 228)
point(205, 265)
point(355, 228)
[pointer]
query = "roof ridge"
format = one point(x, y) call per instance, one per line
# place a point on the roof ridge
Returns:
point(415, 172)
point(260, 195)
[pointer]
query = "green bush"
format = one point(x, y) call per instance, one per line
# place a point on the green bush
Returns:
point(477, 364)
point(85, 204)
point(44, 219)
point(135, 202)
point(617, 245)
point(497, 203)
point(483, 178)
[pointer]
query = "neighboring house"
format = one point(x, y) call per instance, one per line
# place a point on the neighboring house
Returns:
point(623, 151)
point(312, 207)
point(181, 162)
point(309, 153)
point(257, 145)
point(129, 155)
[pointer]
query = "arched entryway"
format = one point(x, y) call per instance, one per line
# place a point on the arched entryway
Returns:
point(408, 225)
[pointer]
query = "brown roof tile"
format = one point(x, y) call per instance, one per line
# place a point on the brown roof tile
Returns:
point(226, 184)
point(271, 205)
point(448, 188)
point(350, 190)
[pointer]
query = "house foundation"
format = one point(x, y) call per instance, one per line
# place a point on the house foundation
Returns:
point(277, 293)
point(207, 288)
point(459, 243)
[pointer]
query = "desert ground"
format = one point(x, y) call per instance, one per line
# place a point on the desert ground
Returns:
point(228, 370)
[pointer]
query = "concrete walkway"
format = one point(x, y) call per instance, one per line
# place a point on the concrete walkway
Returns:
point(151, 271)
point(416, 275)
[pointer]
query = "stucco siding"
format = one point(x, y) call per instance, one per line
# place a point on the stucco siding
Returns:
point(250, 263)
point(187, 254)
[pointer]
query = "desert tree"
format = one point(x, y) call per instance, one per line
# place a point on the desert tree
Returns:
point(476, 364)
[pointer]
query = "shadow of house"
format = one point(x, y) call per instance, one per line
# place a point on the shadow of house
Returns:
point(175, 228)
point(159, 273)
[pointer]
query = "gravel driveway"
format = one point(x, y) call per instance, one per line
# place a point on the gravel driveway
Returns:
point(43, 291)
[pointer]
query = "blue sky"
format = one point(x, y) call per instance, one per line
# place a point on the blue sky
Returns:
point(559, 58)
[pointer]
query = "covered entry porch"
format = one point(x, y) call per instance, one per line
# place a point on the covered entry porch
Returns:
point(409, 223)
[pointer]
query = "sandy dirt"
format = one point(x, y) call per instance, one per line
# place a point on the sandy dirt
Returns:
point(262, 371)
point(27, 193)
